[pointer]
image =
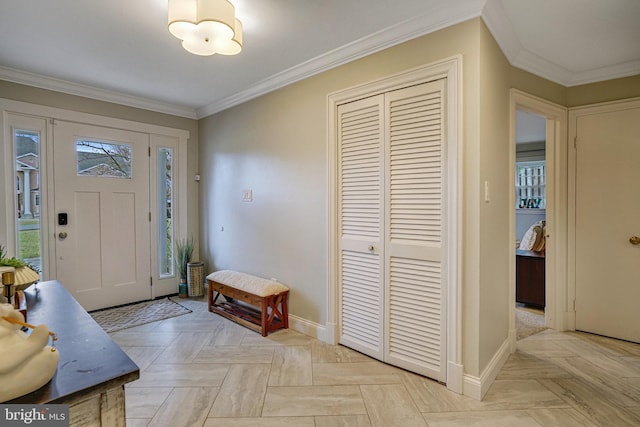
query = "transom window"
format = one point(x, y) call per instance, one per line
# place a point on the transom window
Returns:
point(103, 159)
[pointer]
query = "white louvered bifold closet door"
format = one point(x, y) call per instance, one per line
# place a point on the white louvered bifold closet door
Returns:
point(415, 164)
point(391, 209)
point(361, 224)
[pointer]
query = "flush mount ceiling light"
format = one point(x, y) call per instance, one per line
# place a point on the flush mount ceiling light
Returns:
point(206, 26)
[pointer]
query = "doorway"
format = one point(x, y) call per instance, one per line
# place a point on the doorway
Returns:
point(530, 211)
point(554, 231)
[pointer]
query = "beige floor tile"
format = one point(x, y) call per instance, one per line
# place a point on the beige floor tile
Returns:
point(242, 392)
point(185, 406)
point(227, 333)
point(313, 400)
point(322, 352)
point(564, 379)
point(588, 400)
point(137, 422)
point(143, 356)
point(566, 417)
point(178, 375)
point(291, 366)
point(144, 339)
point(355, 373)
point(144, 402)
point(343, 421)
point(540, 348)
point(391, 405)
point(604, 378)
point(520, 365)
point(520, 394)
point(184, 348)
point(261, 422)
point(234, 354)
point(280, 337)
point(431, 396)
point(481, 419)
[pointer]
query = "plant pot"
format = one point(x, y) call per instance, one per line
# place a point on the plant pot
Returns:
point(183, 290)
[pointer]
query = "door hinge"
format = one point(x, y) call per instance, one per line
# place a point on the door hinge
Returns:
point(575, 142)
point(574, 305)
point(149, 216)
point(151, 281)
point(149, 151)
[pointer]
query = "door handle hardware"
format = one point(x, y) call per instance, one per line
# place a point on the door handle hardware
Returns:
point(634, 240)
point(371, 248)
point(62, 235)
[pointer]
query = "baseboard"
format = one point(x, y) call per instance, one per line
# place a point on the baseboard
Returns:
point(307, 327)
point(477, 387)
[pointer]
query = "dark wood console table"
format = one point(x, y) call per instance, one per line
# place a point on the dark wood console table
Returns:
point(530, 282)
point(92, 370)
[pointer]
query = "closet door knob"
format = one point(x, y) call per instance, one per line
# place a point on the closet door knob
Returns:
point(634, 240)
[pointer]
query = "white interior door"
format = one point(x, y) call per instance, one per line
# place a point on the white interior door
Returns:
point(361, 224)
point(607, 216)
point(391, 173)
point(414, 247)
point(101, 182)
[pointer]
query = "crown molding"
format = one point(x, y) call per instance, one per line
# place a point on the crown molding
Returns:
point(70, 88)
point(388, 37)
point(500, 27)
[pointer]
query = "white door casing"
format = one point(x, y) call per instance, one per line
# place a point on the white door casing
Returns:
point(103, 252)
point(607, 215)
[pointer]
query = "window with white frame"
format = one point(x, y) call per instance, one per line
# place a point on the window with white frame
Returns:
point(531, 185)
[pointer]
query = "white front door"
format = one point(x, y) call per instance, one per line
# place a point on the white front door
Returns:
point(607, 217)
point(101, 185)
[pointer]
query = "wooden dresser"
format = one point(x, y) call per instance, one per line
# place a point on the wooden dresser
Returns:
point(530, 284)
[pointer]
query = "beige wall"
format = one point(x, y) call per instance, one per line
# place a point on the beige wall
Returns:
point(33, 95)
point(494, 213)
point(276, 145)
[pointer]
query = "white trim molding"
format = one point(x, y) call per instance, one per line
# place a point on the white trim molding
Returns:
point(477, 387)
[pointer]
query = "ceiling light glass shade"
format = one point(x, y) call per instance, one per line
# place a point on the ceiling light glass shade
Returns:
point(205, 26)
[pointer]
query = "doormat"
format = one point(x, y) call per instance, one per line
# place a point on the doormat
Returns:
point(128, 316)
point(528, 323)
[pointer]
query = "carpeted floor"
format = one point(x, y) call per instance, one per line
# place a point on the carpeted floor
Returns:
point(128, 316)
point(528, 322)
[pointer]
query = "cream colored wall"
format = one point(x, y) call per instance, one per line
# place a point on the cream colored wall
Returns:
point(33, 95)
point(610, 90)
point(494, 213)
point(277, 144)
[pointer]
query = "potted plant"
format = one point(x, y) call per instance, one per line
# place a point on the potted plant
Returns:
point(184, 250)
point(23, 276)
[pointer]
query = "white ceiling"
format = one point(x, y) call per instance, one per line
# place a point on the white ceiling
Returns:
point(121, 50)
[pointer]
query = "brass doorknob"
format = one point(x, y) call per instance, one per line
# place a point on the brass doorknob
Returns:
point(634, 240)
point(62, 235)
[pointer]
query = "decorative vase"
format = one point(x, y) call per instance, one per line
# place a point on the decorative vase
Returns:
point(195, 279)
point(182, 290)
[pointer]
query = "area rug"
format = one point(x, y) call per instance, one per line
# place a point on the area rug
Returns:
point(128, 316)
point(528, 323)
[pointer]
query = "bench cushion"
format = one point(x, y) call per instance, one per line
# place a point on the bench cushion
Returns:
point(248, 283)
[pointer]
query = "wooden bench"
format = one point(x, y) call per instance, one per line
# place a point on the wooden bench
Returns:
point(270, 296)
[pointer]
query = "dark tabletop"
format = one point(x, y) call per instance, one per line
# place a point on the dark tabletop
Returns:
point(89, 358)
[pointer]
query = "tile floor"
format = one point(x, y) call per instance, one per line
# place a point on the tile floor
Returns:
point(203, 370)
